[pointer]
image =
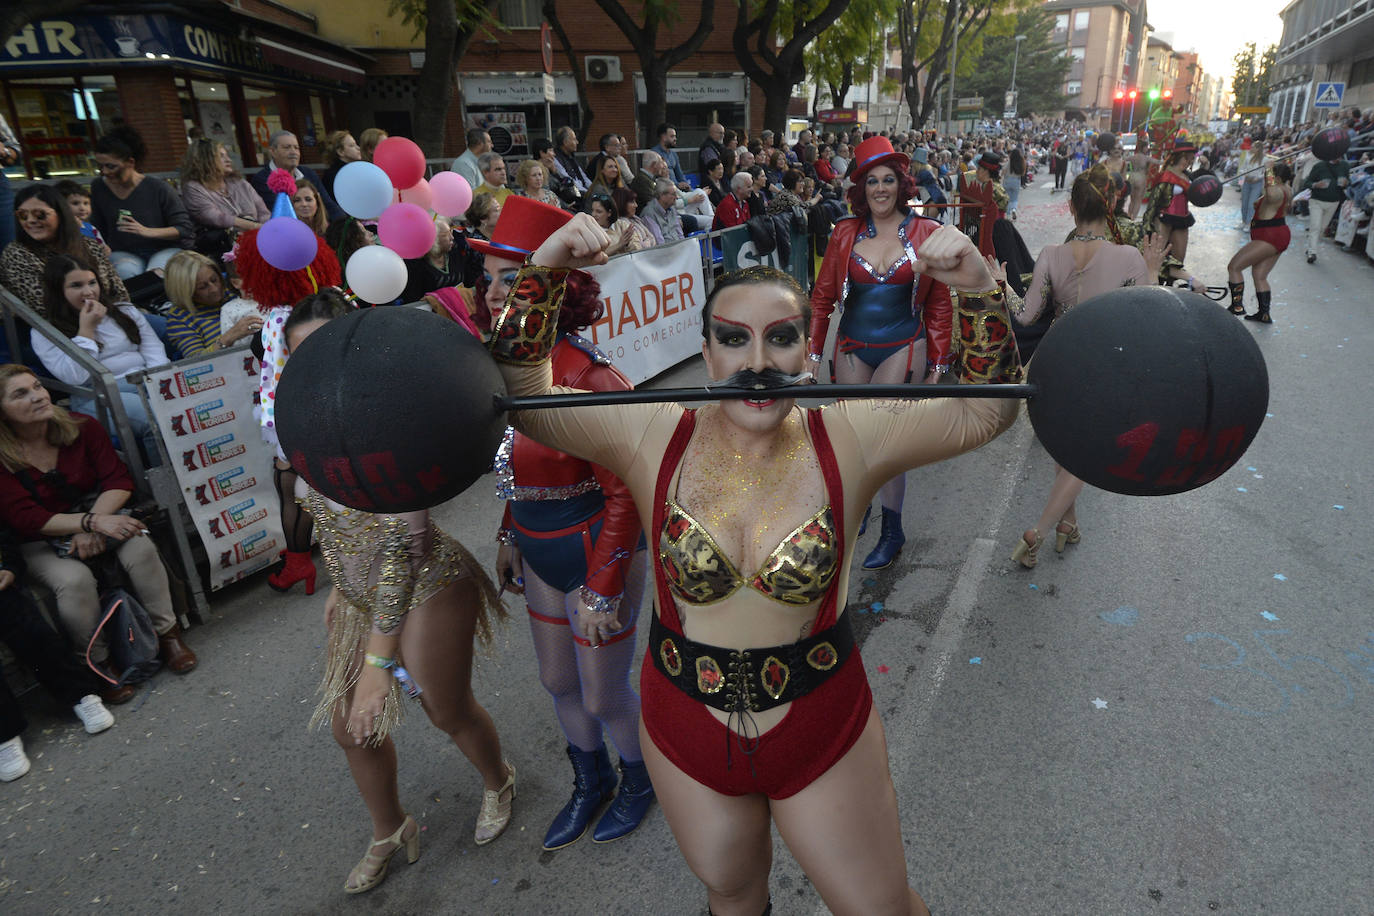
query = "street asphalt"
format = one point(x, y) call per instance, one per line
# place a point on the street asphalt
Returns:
point(1171, 717)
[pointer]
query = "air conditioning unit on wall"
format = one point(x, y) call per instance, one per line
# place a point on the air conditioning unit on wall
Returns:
point(603, 70)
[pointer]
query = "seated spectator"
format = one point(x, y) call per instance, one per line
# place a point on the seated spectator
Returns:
point(565, 151)
point(493, 177)
point(114, 334)
point(368, 140)
point(788, 199)
point(46, 228)
point(661, 213)
point(606, 177)
point(758, 199)
point(734, 209)
point(78, 198)
point(347, 235)
point(195, 288)
point(716, 185)
point(61, 479)
point(651, 168)
point(777, 167)
point(284, 152)
point(309, 207)
point(443, 266)
point(141, 218)
point(644, 235)
point(218, 199)
point(478, 142)
point(43, 652)
point(624, 234)
point(615, 146)
point(339, 150)
point(555, 178)
point(481, 217)
point(531, 177)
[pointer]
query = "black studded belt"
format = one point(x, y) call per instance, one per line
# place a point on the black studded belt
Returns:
point(736, 680)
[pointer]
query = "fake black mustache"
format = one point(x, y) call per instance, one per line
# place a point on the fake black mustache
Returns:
point(767, 378)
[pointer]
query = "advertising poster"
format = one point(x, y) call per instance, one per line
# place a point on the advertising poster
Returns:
point(653, 304)
point(509, 134)
point(204, 411)
point(739, 253)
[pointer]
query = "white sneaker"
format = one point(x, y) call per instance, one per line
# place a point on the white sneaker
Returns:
point(93, 714)
point(13, 762)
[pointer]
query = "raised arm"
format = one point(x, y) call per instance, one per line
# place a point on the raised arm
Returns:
point(523, 340)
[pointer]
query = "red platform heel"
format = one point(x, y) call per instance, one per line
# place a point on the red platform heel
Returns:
point(298, 566)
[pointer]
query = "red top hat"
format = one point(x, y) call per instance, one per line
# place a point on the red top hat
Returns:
point(877, 151)
point(523, 226)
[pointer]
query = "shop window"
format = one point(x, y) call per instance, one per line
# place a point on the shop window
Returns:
point(215, 118)
point(264, 117)
point(59, 119)
point(520, 14)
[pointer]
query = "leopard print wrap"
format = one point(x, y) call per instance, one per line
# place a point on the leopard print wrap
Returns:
point(528, 327)
point(987, 347)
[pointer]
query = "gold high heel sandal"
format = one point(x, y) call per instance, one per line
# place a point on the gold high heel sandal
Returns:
point(495, 815)
point(372, 858)
point(1027, 553)
point(1062, 537)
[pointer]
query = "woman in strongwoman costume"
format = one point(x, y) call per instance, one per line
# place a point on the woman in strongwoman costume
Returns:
point(1269, 238)
point(570, 541)
point(894, 326)
point(756, 708)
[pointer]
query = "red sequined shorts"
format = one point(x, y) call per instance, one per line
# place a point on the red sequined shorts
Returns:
point(818, 729)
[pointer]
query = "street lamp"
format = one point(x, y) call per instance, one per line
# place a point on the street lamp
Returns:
point(1016, 58)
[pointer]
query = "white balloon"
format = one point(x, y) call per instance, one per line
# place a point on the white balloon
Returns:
point(376, 274)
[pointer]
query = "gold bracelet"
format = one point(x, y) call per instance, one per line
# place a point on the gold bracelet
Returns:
point(980, 295)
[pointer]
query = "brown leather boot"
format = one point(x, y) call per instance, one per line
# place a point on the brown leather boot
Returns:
point(117, 694)
point(176, 655)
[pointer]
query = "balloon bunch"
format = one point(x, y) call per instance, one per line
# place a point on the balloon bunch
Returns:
point(392, 190)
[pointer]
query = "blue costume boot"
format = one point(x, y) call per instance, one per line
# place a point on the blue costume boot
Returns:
point(630, 805)
point(593, 783)
point(889, 542)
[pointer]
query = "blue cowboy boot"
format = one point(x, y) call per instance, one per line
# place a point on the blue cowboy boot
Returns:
point(593, 783)
point(889, 542)
point(630, 805)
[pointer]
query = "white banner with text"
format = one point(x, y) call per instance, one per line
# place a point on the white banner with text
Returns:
point(653, 302)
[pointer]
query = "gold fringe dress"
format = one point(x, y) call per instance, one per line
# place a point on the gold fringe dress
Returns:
point(383, 565)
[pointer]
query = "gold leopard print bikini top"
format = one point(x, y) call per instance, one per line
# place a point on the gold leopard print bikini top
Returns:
point(797, 572)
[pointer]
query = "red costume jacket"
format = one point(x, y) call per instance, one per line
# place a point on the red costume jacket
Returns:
point(928, 296)
point(986, 217)
point(529, 468)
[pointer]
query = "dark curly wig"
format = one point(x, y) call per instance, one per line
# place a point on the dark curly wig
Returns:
point(858, 201)
point(582, 305)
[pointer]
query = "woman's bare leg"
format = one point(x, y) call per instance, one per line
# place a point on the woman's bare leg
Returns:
point(436, 647)
point(894, 371)
point(1063, 493)
point(1260, 272)
point(374, 773)
point(1178, 241)
point(724, 838)
point(1250, 254)
point(844, 831)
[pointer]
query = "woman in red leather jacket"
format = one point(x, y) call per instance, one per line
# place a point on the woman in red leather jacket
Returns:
point(893, 327)
point(570, 542)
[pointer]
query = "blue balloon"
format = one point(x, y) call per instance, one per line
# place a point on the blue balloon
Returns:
point(287, 243)
point(363, 190)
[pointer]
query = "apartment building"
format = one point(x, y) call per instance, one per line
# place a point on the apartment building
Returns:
point(1323, 41)
point(1105, 39)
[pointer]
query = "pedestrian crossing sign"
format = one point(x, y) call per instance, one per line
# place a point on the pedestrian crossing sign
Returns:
point(1329, 95)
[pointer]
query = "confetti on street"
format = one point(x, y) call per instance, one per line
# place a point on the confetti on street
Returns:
point(976, 660)
point(1100, 703)
point(1269, 615)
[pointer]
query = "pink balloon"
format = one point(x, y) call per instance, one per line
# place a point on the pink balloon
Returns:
point(419, 194)
point(407, 230)
point(401, 159)
point(451, 193)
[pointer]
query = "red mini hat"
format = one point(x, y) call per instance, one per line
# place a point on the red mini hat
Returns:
point(523, 226)
point(877, 151)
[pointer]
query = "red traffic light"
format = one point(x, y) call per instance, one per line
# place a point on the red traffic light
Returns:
point(1132, 95)
point(1168, 93)
point(1120, 94)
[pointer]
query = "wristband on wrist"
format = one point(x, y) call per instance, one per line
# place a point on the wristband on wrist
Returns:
point(87, 521)
point(379, 661)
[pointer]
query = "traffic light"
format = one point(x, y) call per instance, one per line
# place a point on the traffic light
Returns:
point(1131, 95)
point(1168, 93)
point(1154, 94)
point(1120, 94)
